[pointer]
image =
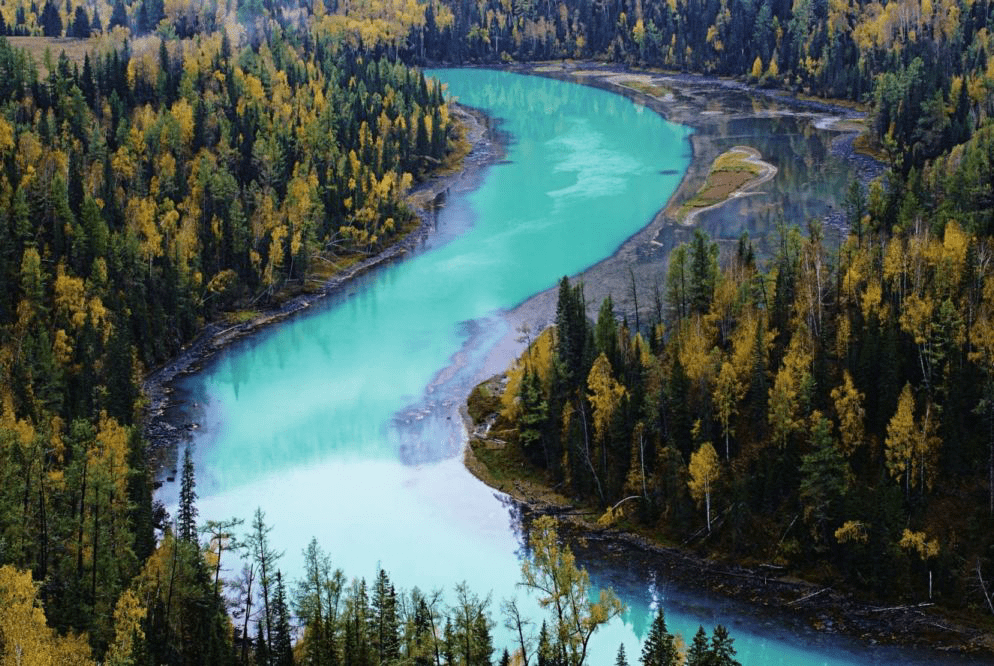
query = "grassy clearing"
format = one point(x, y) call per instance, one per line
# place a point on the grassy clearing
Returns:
point(325, 268)
point(75, 49)
point(240, 316)
point(865, 145)
point(496, 459)
point(645, 87)
point(730, 172)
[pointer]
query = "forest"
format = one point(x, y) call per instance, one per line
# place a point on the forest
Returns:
point(829, 413)
point(830, 409)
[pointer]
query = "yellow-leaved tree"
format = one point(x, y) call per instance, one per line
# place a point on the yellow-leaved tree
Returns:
point(705, 468)
point(564, 588)
point(849, 409)
point(790, 393)
point(912, 448)
point(925, 548)
point(605, 394)
point(25, 637)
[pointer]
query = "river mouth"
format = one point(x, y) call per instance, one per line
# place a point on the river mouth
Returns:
point(407, 466)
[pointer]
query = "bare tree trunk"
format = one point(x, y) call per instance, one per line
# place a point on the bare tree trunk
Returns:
point(645, 493)
point(983, 587)
point(82, 521)
point(248, 614)
point(707, 502)
point(96, 543)
point(586, 450)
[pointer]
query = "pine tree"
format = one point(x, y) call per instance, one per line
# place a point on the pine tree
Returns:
point(51, 21)
point(384, 630)
point(722, 651)
point(544, 653)
point(265, 558)
point(660, 645)
point(621, 659)
point(119, 16)
point(187, 512)
point(282, 639)
point(824, 479)
point(699, 653)
point(703, 271)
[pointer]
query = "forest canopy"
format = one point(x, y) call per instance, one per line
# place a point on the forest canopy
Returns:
point(165, 163)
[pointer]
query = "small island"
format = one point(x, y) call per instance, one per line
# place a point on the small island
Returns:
point(735, 173)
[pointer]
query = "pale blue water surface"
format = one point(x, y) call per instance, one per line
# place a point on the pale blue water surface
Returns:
point(342, 424)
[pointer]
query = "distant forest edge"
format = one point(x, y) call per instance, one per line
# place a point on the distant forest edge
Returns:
point(923, 65)
point(197, 160)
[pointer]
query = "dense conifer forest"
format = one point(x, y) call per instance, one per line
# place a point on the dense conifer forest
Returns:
point(830, 409)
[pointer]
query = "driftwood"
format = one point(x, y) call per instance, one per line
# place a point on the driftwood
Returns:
point(900, 608)
point(809, 596)
point(983, 587)
point(630, 497)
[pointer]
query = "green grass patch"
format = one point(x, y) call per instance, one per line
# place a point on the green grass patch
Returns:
point(646, 88)
point(482, 402)
point(240, 316)
point(865, 145)
point(730, 172)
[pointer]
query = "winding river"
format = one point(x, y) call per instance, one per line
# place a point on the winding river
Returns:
point(343, 424)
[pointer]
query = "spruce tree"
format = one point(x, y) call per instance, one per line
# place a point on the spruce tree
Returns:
point(119, 16)
point(660, 646)
point(51, 21)
point(282, 640)
point(384, 630)
point(621, 659)
point(81, 23)
point(544, 651)
point(722, 651)
point(187, 512)
point(699, 653)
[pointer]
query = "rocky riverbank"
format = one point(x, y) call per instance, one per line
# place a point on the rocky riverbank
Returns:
point(767, 589)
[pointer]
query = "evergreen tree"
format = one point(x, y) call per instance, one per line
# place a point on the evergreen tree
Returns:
point(81, 23)
point(545, 653)
point(722, 651)
point(659, 648)
point(282, 640)
point(703, 271)
point(699, 653)
point(621, 659)
point(119, 15)
point(265, 557)
point(384, 630)
point(187, 511)
point(51, 21)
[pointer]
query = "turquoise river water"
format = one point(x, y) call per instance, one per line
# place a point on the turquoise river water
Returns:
point(342, 424)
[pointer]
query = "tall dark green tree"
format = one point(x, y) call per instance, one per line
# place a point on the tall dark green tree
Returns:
point(699, 652)
point(703, 271)
point(187, 511)
point(384, 630)
point(282, 653)
point(659, 648)
point(51, 22)
point(722, 650)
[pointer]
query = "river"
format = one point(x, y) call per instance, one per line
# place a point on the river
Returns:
point(342, 424)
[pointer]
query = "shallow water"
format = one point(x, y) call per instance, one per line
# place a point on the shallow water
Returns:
point(343, 425)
